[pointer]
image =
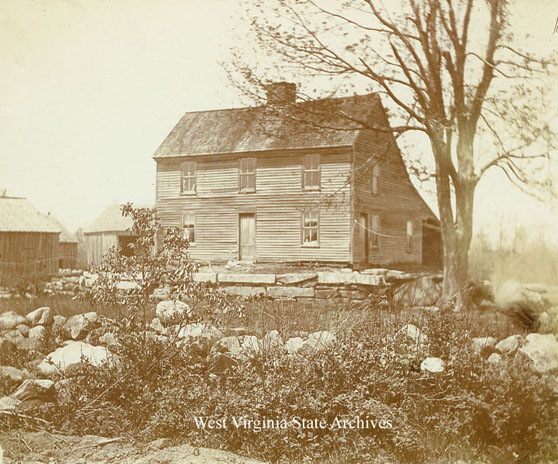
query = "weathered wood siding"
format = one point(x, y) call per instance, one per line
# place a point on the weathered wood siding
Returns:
point(68, 252)
point(396, 202)
point(99, 243)
point(27, 255)
point(278, 203)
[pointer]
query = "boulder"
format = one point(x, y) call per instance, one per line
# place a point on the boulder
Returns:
point(23, 330)
point(203, 344)
point(10, 320)
point(29, 344)
point(58, 323)
point(294, 344)
point(190, 331)
point(41, 316)
point(69, 357)
point(494, 358)
point(542, 351)
point(108, 339)
point(156, 325)
point(78, 326)
point(220, 363)
point(479, 343)
point(414, 334)
point(509, 345)
point(317, 341)
point(6, 345)
point(423, 291)
point(38, 331)
point(171, 309)
point(228, 345)
point(250, 345)
point(323, 337)
point(520, 303)
point(13, 334)
point(272, 339)
point(34, 387)
point(8, 403)
point(17, 375)
point(432, 365)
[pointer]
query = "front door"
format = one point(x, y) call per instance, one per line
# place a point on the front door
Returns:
point(247, 239)
point(364, 242)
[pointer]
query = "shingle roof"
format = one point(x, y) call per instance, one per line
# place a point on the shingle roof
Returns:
point(261, 128)
point(19, 215)
point(65, 235)
point(111, 220)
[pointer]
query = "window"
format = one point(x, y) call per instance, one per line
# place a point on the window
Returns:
point(189, 227)
point(375, 179)
point(310, 228)
point(188, 183)
point(248, 174)
point(409, 246)
point(311, 172)
point(375, 226)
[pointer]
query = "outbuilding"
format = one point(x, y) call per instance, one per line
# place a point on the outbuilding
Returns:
point(28, 242)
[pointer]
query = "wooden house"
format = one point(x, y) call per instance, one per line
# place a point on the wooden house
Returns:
point(109, 230)
point(256, 184)
point(28, 242)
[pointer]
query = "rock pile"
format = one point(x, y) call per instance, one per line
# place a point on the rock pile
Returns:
point(86, 338)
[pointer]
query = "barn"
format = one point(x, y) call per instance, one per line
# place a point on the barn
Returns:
point(28, 242)
point(325, 184)
point(68, 250)
point(109, 230)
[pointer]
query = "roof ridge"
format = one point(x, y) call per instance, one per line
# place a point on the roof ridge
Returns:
point(296, 103)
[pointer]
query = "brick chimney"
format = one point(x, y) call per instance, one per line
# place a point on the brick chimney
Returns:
point(281, 93)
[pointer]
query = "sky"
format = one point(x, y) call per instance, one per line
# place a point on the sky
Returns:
point(90, 88)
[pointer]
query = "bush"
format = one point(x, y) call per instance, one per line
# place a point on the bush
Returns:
point(472, 410)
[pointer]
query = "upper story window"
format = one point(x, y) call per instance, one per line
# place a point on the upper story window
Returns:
point(188, 177)
point(310, 229)
point(311, 172)
point(189, 227)
point(375, 186)
point(248, 174)
point(375, 226)
point(410, 230)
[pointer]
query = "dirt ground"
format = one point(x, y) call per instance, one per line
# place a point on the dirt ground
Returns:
point(45, 448)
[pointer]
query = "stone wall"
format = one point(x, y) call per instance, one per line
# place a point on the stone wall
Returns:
point(340, 284)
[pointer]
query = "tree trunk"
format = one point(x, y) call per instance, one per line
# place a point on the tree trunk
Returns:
point(456, 228)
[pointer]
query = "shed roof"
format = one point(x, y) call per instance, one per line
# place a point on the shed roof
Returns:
point(111, 220)
point(19, 215)
point(324, 123)
point(65, 235)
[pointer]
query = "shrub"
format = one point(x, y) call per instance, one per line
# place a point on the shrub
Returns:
point(472, 410)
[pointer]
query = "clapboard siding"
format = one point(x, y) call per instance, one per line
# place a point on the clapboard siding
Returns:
point(396, 202)
point(27, 255)
point(278, 204)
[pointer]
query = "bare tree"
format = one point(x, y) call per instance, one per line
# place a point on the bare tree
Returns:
point(446, 68)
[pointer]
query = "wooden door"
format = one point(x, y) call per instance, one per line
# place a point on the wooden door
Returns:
point(364, 241)
point(247, 237)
